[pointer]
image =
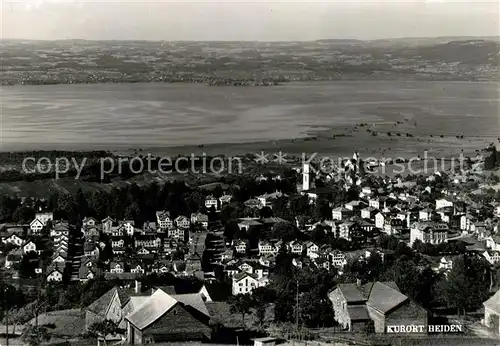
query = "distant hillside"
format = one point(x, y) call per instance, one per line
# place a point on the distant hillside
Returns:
point(251, 63)
point(473, 52)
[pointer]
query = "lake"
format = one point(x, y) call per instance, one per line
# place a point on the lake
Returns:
point(120, 116)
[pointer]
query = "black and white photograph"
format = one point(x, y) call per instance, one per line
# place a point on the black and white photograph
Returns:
point(254, 173)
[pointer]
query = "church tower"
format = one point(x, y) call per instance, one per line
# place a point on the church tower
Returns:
point(306, 177)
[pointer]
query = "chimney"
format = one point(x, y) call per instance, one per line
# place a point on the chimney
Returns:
point(358, 282)
point(138, 286)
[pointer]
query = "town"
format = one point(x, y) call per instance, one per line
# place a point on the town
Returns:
point(292, 253)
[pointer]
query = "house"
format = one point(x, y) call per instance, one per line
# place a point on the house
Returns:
point(240, 246)
point(89, 222)
point(211, 201)
point(86, 273)
point(296, 247)
point(178, 233)
point(312, 250)
point(493, 242)
point(116, 267)
point(225, 199)
point(91, 250)
point(425, 214)
point(128, 227)
point(117, 242)
point(252, 203)
point(200, 218)
point(245, 224)
point(60, 229)
point(107, 307)
point(443, 202)
point(356, 304)
point(36, 226)
point(107, 224)
point(429, 232)
point(492, 312)
point(341, 213)
point(29, 246)
point(137, 268)
point(445, 264)
point(493, 257)
point(348, 230)
point(182, 222)
point(163, 219)
point(14, 239)
point(496, 211)
point(466, 222)
point(338, 259)
point(168, 318)
point(368, 212)
point(267, 248)
point(393, 225)
point(355, 206)
point(245, 282)
point(377, 203)
point(117, 232)
point(380, 220)
point(55, 272)
point(12, 258)
point(267, 199)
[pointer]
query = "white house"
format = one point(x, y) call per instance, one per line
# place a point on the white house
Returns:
point(55, 274)
point(245, 283)
point(44, 217)
point(338, 259)
point(13, 239)
point(182, 222)
point(29, 246)
point(312, 250)
point(210, 202)
point(368, 212)
point(128, 227)
point(493, 257)
point(266, 248)
point(379, 220)
point(116, 268)
point(296, 247)
point(340, 213)
point(443, 202)
point(425, 214)
point(163, 219)
point(493, 243)
point(240, 247)
point(497, 210)
point(36, 226)
point(429, 232)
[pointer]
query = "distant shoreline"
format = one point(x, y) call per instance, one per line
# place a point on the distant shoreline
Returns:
point(266, 84)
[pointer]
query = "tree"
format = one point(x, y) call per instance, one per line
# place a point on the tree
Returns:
point(103, 329)
point(35, 335)
point(467, 283)
point(261, 298)
point(285, 231)
point(241, 304)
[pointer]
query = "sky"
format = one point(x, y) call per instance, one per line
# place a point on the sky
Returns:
point(246, 20)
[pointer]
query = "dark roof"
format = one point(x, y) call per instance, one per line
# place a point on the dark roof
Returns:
point(351, 293)
point(100, 306)
point(358, 313)
point(385, 296)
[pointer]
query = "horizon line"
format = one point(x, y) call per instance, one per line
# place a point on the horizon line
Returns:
point(490, 37)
